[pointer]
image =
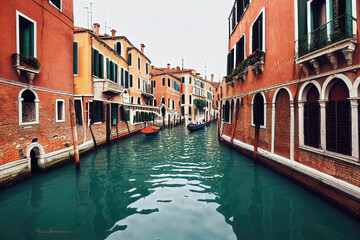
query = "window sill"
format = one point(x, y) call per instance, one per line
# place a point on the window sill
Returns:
point(29, 123)
point(97, 123)
point(261, 127)
point(60, 121)
point(337, 156)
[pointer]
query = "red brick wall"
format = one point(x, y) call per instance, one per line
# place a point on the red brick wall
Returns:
point(51, 135)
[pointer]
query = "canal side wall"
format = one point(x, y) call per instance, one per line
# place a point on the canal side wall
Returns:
point(338, 192)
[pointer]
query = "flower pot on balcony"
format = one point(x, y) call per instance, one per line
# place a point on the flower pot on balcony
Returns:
point(29, 65)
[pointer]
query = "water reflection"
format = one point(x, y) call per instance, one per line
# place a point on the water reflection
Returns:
point(175, 185)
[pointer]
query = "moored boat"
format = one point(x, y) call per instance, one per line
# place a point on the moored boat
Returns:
point(150, 130)
point(195, 127)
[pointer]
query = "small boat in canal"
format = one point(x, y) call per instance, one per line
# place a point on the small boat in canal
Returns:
point(150, 130)
point(194, 127)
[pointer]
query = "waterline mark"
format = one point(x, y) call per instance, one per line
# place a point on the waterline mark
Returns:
point(53, 231)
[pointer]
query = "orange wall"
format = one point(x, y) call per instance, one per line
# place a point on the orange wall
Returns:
point(54, 42)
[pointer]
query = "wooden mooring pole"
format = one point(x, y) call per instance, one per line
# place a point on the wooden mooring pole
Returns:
point(257, 132)
point(74, 134)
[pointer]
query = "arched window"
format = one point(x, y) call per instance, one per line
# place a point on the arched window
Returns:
point(232, 111)
point(338, 119)
point(312, 118)
point(163, 100)
point(139, 101)
point(258, 110)
point(132, 100)
point(226, 112)
point(28, 107)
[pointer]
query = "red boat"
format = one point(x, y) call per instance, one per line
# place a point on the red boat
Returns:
point(150, 130)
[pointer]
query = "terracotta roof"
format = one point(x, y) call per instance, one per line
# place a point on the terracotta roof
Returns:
point(168, 74)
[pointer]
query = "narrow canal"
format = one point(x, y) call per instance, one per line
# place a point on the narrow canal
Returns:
point(177, 186)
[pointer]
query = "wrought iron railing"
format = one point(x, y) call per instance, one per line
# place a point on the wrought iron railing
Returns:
point(338, 29)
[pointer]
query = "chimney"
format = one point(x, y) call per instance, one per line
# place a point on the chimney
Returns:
point(96, 28)
point(168, 66)
point(212, 78)
point(142, 48)
point(113, 32)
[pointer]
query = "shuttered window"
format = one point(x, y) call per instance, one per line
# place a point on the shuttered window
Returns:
point(114, 114)
point(108, 69)
point(257, 34)
point(126, 79)
point(98, 64)
point(27, 34)
point(111, 70)
point(230, 62)
point(78, 112)
point(338, 120)
point(122, 77)
point(312, 119)
point(75, 58)
point(147, 68)
point(240, 51)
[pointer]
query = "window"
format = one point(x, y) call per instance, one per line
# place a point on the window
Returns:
point(122, 77)
point(132, 100)
point(338, 119)
point(190, 99)
point(129, 59)
point(98, 64)
point(138, 101)
point(241, 8)
point(190, 110)
point(145, 87)
point(258, 111)
point(147, 68)
point(114, 114)
point(75, 58)
point(169, 82)
point(139, 83)
point(28, 107)
point(112, 70)
point(318, 12)
point(126, 79)
point(78, 112)
point(139, 63)
point(154, 84)
point(240, 50)
point(56, 3)
point(155, 102)
point(230, 62)
point(258, 33)
point(96, 112)
point(163, 82)
point(183, 80)
point(173, 104)
point(226, 112)
point(60, 111)
point(131, 80)
point(176, 86)
point(117, 47)
point(312, 118)
point(169, 103)
point(108, 67)
point(183, 98)
point(26, 34)
point(163, 100)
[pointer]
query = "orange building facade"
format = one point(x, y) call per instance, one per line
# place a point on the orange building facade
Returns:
point(36, 81)
point(294, 74)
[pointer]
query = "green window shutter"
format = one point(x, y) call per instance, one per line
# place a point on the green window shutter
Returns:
point(122, 77)
point(101, 67)
point(99, 111)
point(116, 73)
point(108, 68)
point(114, 114)
point(302, 18)
point(96, 63)
point(111, 70)
point(31, 40)
point(126, 79)
point(75, 58)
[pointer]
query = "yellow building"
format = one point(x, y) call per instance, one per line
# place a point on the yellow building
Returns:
point(112, 90)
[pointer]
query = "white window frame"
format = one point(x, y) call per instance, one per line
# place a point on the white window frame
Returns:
point(18, 14)
point(56, 111)
point(51, 3)
point(264, 32)
point(252, 109)
point(20, 100)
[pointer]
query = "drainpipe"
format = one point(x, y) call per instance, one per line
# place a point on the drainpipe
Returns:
point(74, 133)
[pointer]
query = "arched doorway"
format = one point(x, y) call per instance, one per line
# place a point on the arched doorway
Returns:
point(282, 124)
point(35, 153)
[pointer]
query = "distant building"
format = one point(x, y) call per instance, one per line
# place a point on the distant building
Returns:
point(113, 95)
point(293, 71)
point(36, 82)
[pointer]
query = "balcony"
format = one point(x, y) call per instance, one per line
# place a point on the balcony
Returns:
point(148, 92)
point(108, 87)
point(29, 65)
point(332, 40)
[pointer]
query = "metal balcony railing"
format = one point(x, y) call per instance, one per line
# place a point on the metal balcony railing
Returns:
point(338, 29)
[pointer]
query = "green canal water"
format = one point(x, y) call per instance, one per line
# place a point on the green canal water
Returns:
point(176, 186)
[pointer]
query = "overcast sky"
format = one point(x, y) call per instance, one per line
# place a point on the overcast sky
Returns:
point(196, 30)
